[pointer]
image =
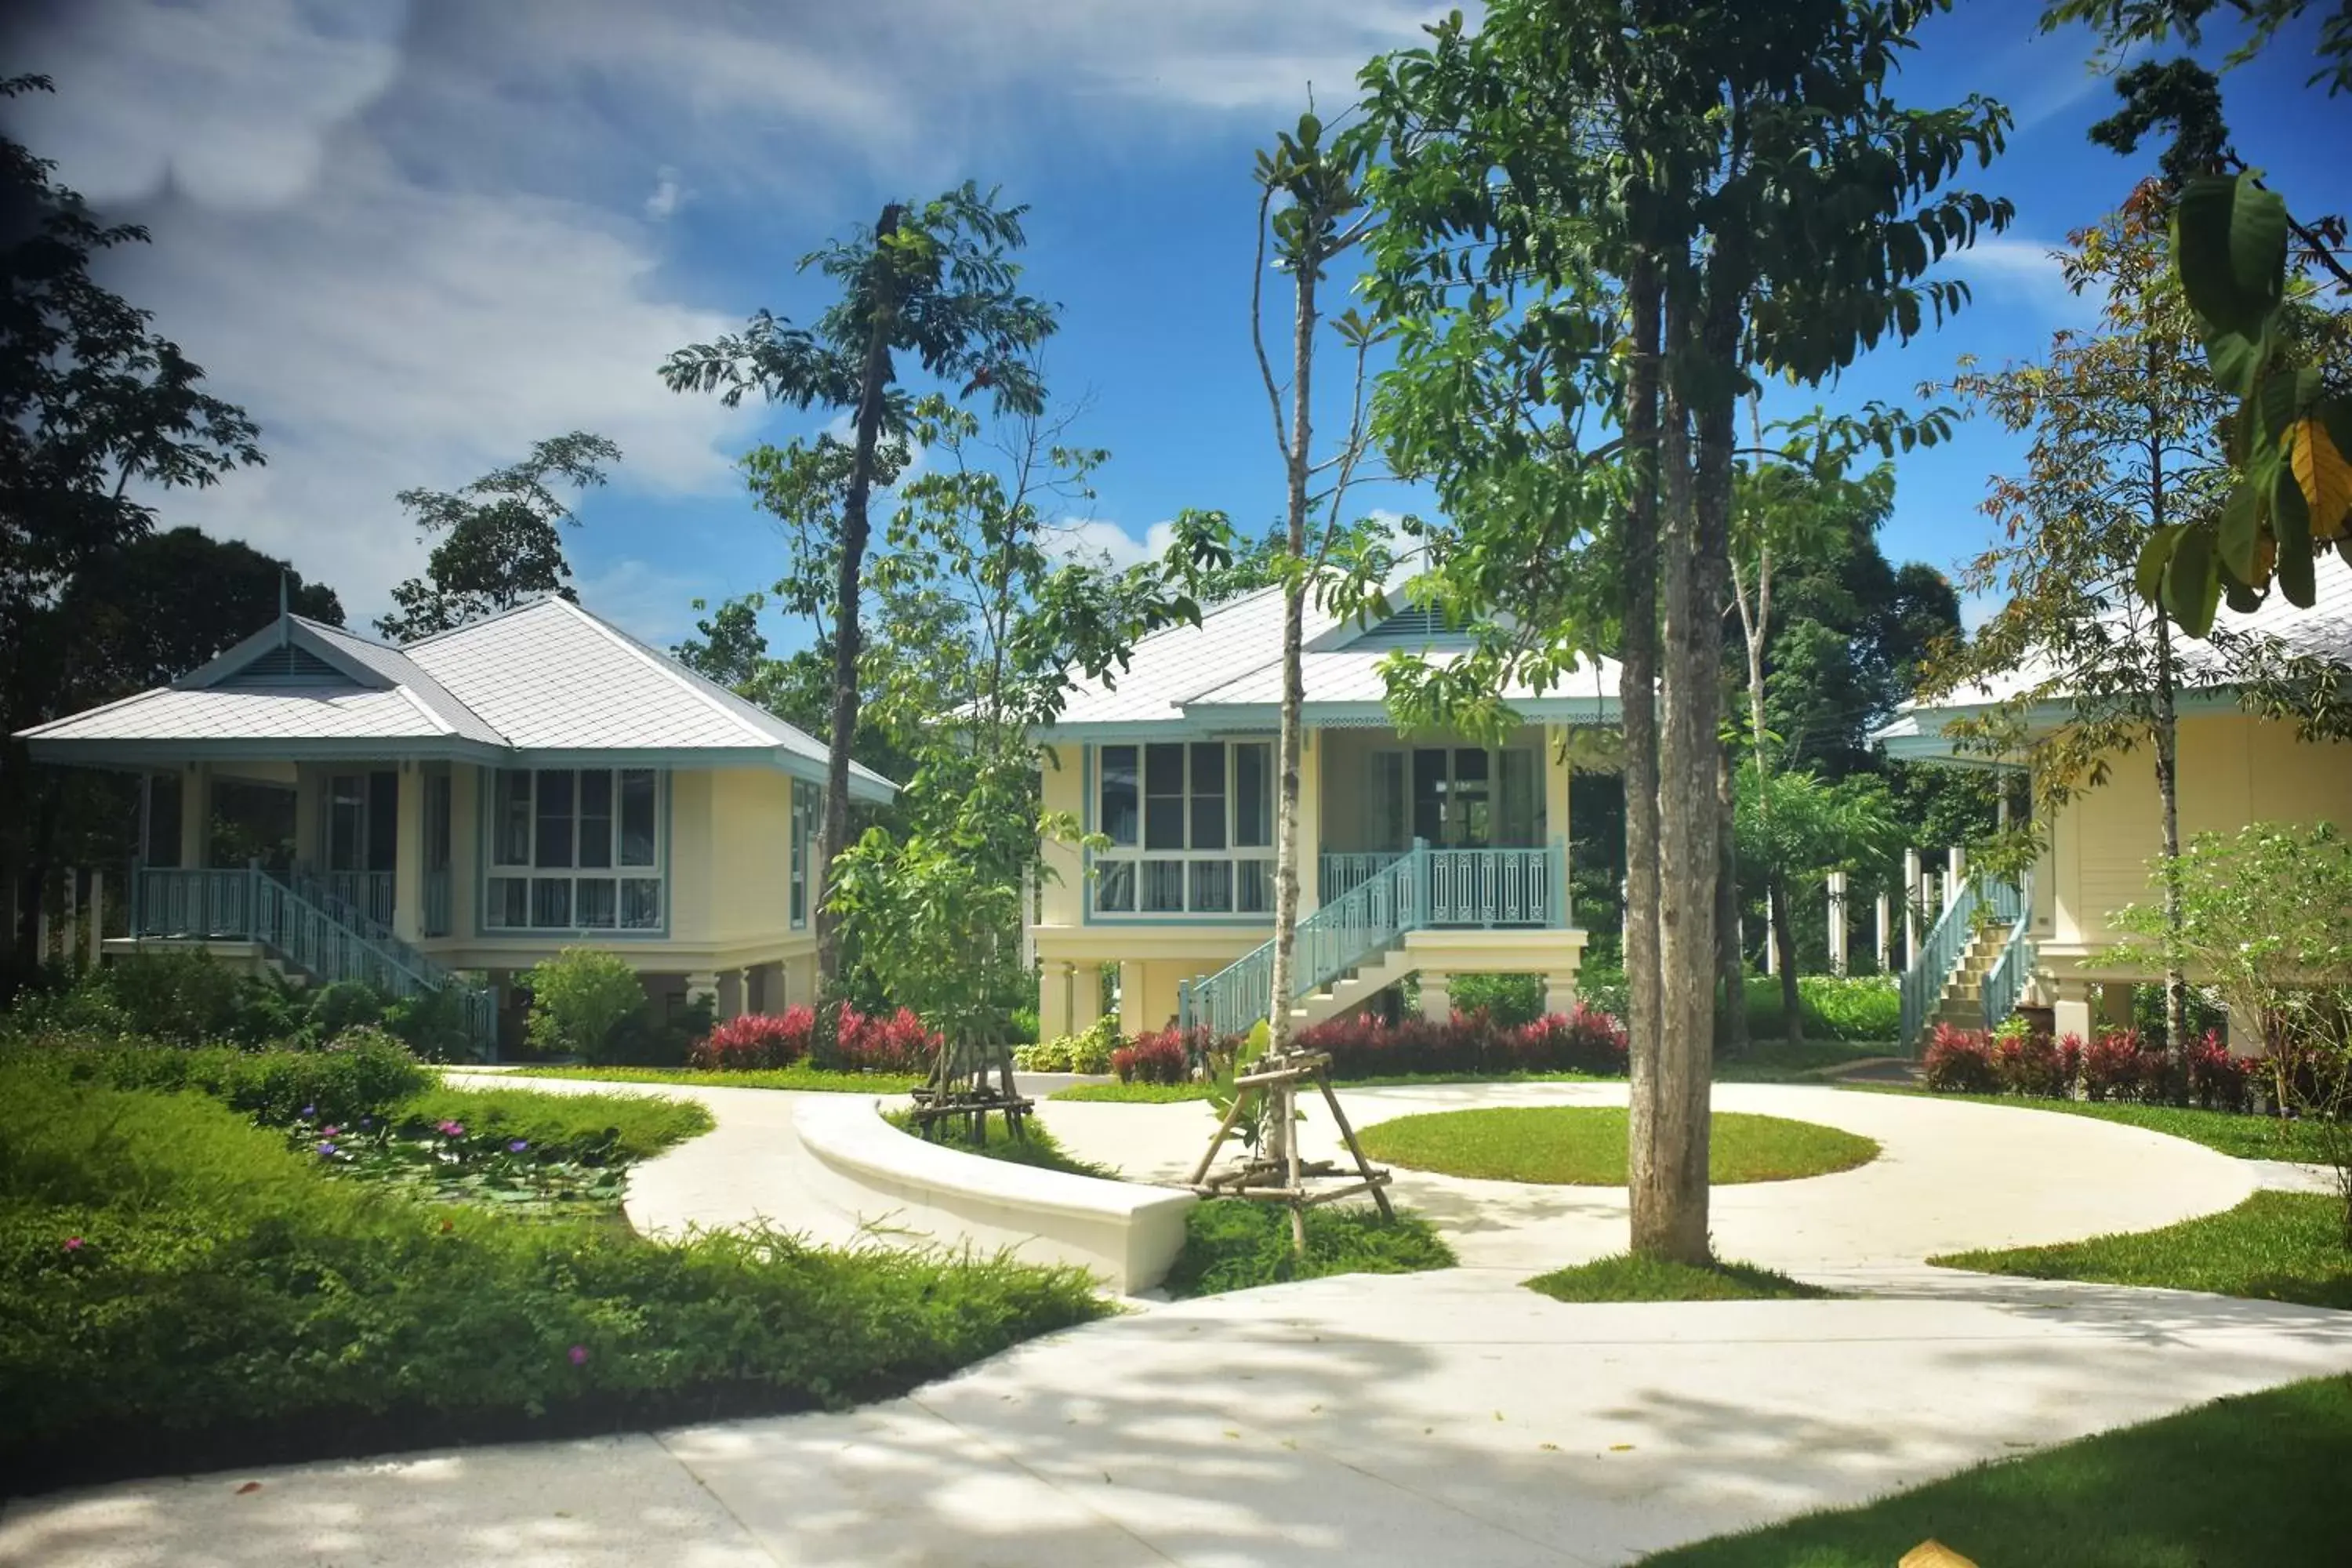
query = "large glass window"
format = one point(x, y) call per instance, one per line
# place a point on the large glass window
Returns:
point(804, 827)
point(1189, 824)
point(1461, 797)
point(574, 849)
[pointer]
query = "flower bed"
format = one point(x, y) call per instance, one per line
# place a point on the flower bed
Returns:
point(1583, 1040)
point(858, 1042)
point(2116, 1065)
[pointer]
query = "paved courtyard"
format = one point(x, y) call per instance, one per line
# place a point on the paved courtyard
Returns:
point(1451, 1417)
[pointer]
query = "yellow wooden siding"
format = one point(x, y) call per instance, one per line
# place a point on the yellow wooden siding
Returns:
point(751, 826)
point(1064, 778)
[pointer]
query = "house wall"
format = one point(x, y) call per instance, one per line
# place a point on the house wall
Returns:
point(2234, 769)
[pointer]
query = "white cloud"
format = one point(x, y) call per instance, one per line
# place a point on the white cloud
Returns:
point(1100, 542)
point(2025, 272)
point(667, 197)
point(652, 604)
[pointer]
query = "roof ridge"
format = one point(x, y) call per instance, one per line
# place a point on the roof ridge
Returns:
point(696, 684)
point(518, 607)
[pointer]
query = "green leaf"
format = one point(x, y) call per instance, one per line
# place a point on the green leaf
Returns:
point(2229, 242)
point(2153, 556)
point(2191, 588)
point(2291, 522)
point(2235, 359)
point(2239, 534)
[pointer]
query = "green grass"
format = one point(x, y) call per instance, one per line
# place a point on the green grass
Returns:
point(1777, 1061)
point(1232, 1244)
point(1585, 1145)
point(804, 1077)
point(2275, 1246)
point(1625, 1278)
point(183, 1291)
point(1035, 1146)
point(1136, 1093)
point(2251, 1482)
point(2228, 1131)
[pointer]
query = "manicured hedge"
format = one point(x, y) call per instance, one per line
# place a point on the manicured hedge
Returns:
point(181, 1291)
point(858, 1042)
point(2116, 1065)
point(1364, 1045)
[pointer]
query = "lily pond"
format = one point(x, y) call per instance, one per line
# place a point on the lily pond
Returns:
point(447, 1163)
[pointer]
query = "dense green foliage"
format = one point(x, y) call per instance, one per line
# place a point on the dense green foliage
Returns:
point(578, 1000)
point(631, 1126)
point(2248, 1482)
point(1856, 1007)
point(2275, 1246)
point(1626, 1277)
point(1233, 1245)
point(182, 1291)
point(366, 1074)
point(1579, 1145)
point(1508, 1000)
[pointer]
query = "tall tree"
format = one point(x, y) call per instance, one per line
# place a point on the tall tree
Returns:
point(500, 538)
point(1310, 203)
point(2125, 442)
point(935, 281)
point(1619, 212)
point(97, 413)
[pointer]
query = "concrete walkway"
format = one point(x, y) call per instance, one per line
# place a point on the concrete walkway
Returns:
point(1450, 1417)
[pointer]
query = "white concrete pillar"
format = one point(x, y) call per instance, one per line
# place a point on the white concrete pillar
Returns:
point(408, 853)
point(1559, 991)
point(1771, 950)
point(1885, 949)
point(1914, 900)
point(1054, 986)
point(1132, 1019)
point(1085, 996)
point(1310, 819)
point(71, 945)
point(2075, 1010)
point(1837, 922)
point(310, 826)
point(1436, 999)
point(1955, 874)
point(97, 915)
point(702, 983)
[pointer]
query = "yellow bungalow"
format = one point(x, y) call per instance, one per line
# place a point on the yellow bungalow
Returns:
point(1430, 853)
point(450, 811)
point(2052, 946)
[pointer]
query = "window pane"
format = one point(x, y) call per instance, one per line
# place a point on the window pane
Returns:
point(555, 817)
point(1520, 822)
point(1163, 822)
point(1163, 770)
point(1212, 885)
point(509, 904)
point(1209, 822)
point(641, 903)
point(595, 818)
point(1254, 895)
point(637, 816)
point(511, 832)
point(1429, 795)
point(1252, 796)
point(593, 902)
point(1115, 885)
point(1208, 767)
point(1387, 800)
point(346, 821)
point(551, 901)
point(1118, 815)
point(382, 821)
point(1472, 814)
point(1163, 885)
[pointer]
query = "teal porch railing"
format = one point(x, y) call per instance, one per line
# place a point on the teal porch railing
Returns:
point(1421, 889)
point(306, 927)
point(1939, 952)
point(2005, 982)
point(1341, 872)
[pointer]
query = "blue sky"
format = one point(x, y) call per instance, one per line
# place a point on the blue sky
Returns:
point(410, 238)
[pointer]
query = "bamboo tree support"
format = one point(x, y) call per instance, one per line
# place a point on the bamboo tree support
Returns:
point(1285, 1181)
point(960, 1089)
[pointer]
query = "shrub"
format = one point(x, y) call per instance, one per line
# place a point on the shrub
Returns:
point(1233, 1245)
point(1510, 1000)
point(1852, 1007)
point(2217, 1080)
point(758, 1040)
point(2111, 1066)
point(2027, 1062)
point(172, 994)
point(365, 1073)
point(1959, 1061)
point(2163, 1075)
point(2070, 1063)
point(867, 1042)
point(344, 1005)
point(1584, 1040)
point(1087, 1052)
point(432, 1024)
point(579, 999)
point(1157, 1057)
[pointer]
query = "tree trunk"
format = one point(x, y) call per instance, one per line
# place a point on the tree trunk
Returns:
point(1784, 941)
point(854, 531)
point(1638, 699)
point(1730, 960)
point(2168, 765)
point(1669, 1177)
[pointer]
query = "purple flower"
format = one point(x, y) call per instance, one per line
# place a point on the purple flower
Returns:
point(366, 1123)
point(579, 1356)
point(73, 1243)
point(325, 1147)
point(518, 1146)
point(308, 1111)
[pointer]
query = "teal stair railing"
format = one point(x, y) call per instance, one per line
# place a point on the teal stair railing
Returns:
point(1421, 889)
point(327, 939)
point(2005, 982)
point(1946, 941)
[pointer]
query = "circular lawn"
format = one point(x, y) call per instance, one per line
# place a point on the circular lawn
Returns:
point(1584, 1146)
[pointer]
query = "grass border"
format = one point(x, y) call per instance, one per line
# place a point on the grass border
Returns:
point(802, 1079)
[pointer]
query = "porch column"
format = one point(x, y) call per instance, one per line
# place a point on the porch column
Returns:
point(1131, 1018)
point(1311, 820)
point(1956, 871)
point(1886, 939)
point(1913, 901)
point(309, 835)
point(1083, 997)
point(195, 815)
point(702, 983)
point(1436, 999)
point(1837, 922)
point(1054, 986)
point(2073, 1012)
point(1559, 991)
point(408, 855)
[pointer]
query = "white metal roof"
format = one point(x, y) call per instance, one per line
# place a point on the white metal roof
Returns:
point(1228, 671)
point(543, 677)
point(2323, 631)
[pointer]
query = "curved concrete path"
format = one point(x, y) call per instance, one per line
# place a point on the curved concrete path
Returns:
point(1450, 1417)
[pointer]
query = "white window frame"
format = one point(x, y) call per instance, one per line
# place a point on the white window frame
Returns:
point(1130, 864)
point(651, 881)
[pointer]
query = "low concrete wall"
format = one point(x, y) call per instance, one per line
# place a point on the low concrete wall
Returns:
point(1126, 1234)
